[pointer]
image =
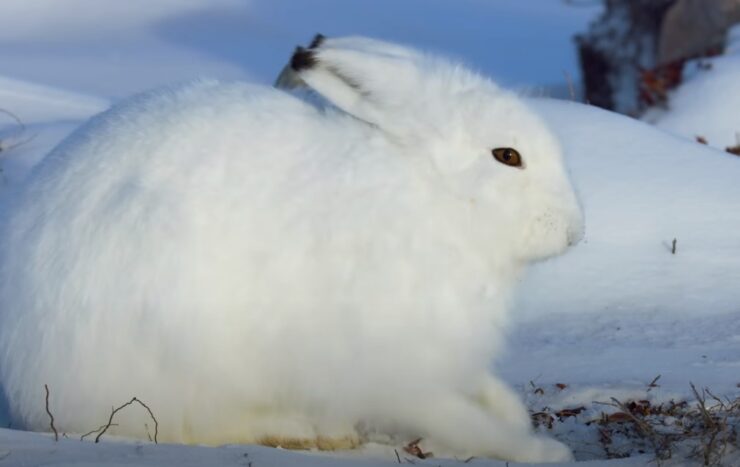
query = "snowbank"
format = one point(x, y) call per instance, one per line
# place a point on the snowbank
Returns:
point(69, 19)
point(641, 188)
point(34, 103)
point(33, 119)
point(707, 104)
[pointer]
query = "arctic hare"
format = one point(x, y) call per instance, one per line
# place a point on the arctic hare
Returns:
point(260, 269)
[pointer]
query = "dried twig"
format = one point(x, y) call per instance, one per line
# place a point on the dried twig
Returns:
point(644, 428)
point(701, 399)
point(17, 119)
point(722, 404)
point(713, 448)
point(710, 428)
point(82, 438)
point(653, 383)
point(116, 410)
point(661, 446)
point(21, 131)
point(51, 417)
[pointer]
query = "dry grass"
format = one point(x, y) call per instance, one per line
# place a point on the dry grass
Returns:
point(703, 430)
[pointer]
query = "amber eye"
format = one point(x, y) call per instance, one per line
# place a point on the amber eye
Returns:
point(507, 156)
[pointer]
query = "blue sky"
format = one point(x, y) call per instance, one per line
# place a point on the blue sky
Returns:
point(517, 41)
point(113, 50)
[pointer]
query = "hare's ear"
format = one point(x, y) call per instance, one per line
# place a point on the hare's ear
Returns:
point(365, 78)
point(288, 79)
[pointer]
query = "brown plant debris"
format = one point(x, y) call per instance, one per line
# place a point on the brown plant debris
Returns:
point(415, 450)
point(543, 419)
point(655, 83)
point(572, 412)
point(703, 431)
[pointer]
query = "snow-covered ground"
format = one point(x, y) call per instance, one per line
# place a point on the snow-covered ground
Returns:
point(706, 104)
point(32, 449)
point(605, 320)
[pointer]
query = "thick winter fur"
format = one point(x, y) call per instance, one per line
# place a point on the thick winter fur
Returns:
point(256, 268)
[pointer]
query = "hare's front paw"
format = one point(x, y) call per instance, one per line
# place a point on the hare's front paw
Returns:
point(502, 402)
point(542, 449)
point(462, 427)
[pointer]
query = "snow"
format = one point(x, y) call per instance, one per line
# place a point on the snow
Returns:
point(707, 103)
point(641, 188)
point(33, 119)
point(24, 449)
point(72, 19)
point(38, 103)
point(605, 319)
point(110, 48)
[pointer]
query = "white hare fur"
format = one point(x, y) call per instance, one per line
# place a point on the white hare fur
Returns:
point(259, 269)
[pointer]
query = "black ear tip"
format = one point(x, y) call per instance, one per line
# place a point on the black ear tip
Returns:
point(302, 59)
point(317, 40)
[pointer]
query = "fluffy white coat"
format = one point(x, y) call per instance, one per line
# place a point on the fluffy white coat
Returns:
point(259, 269)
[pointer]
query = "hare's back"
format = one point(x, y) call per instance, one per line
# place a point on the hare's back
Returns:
point(167, 191)
point(197, 127)
point(195, 143)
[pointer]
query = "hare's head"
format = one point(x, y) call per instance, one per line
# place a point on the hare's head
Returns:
point(483, 144)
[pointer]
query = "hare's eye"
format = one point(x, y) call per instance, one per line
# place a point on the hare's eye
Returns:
point(508, 156)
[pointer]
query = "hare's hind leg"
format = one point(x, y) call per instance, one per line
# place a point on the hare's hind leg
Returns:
point(320, 442)
point(298, 432)
point(269, 427)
